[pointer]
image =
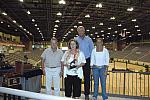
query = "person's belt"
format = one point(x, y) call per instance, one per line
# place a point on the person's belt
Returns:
point(100, 66)
point(54, 67)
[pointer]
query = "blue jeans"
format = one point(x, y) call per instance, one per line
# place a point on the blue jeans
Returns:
point(100, 73)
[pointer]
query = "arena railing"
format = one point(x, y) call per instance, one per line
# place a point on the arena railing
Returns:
point(122, 83)
point(31, 95)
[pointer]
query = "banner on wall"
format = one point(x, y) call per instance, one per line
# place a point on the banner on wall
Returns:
point(11, 44)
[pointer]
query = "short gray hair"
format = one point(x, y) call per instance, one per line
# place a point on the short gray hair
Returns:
point(79, 27)
point(53, 38)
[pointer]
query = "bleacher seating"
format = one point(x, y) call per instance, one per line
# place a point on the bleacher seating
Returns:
point(135, 51)
point(33, 57)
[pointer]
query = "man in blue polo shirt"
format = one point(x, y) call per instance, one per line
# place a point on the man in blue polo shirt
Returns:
point(86, 46)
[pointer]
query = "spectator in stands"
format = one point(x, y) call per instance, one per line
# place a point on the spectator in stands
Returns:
point(52, 67)
point(99, 64)
point(25, 59)
point(85, 45)
point(73, 60)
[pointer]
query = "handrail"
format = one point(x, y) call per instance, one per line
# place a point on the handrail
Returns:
point(32, 95)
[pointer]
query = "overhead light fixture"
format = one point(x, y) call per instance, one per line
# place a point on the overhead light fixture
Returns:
point(138, 30)
point(93, 27)
point(109, 28)
point(99, 5)
point(101, 24)
point(116, 31)
point(30, 33)
point(56, 26)
point(62, 2)
point(130, 36)
point(102, 31)
point(136, 26)
point(113, 35)
point(21, 0)
point(15, 29)
point(119, 25)
point(113, 18)
point(87, 16)
point(98, 36)
point(2, 22)
point(59, 14)
point(24, 29)
point(57, 21)
point(127, 32)
point(130, 9)
point(108, 33)
point(8, 25)
point(72, 29)
point(96, 32)
point(33, 20)
point(87, 30)
point(35, 25)
point(124, 29)
point(55, 29)
point(4, 13)
point(20, 26)
point(14, 21)
point(80, 22)
point(139, 34)
point(133, 20)
point(37, 28)
point(28, 12)
point(103, 35)
point(75, 26)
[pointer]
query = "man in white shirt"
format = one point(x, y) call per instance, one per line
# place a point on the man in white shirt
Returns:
point(52, 67)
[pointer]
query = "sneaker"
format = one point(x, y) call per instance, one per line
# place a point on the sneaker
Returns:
point(94, 98)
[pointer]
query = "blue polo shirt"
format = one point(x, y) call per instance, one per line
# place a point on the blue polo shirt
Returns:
point(85, 45)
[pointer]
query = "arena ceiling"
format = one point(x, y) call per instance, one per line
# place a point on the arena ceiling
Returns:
point(39, 20)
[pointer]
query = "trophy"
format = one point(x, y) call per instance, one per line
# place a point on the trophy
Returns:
point(72, 64)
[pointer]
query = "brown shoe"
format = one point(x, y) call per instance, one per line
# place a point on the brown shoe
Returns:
point(86, 97)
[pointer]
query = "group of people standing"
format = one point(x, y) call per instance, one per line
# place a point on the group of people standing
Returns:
point(75, 64)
